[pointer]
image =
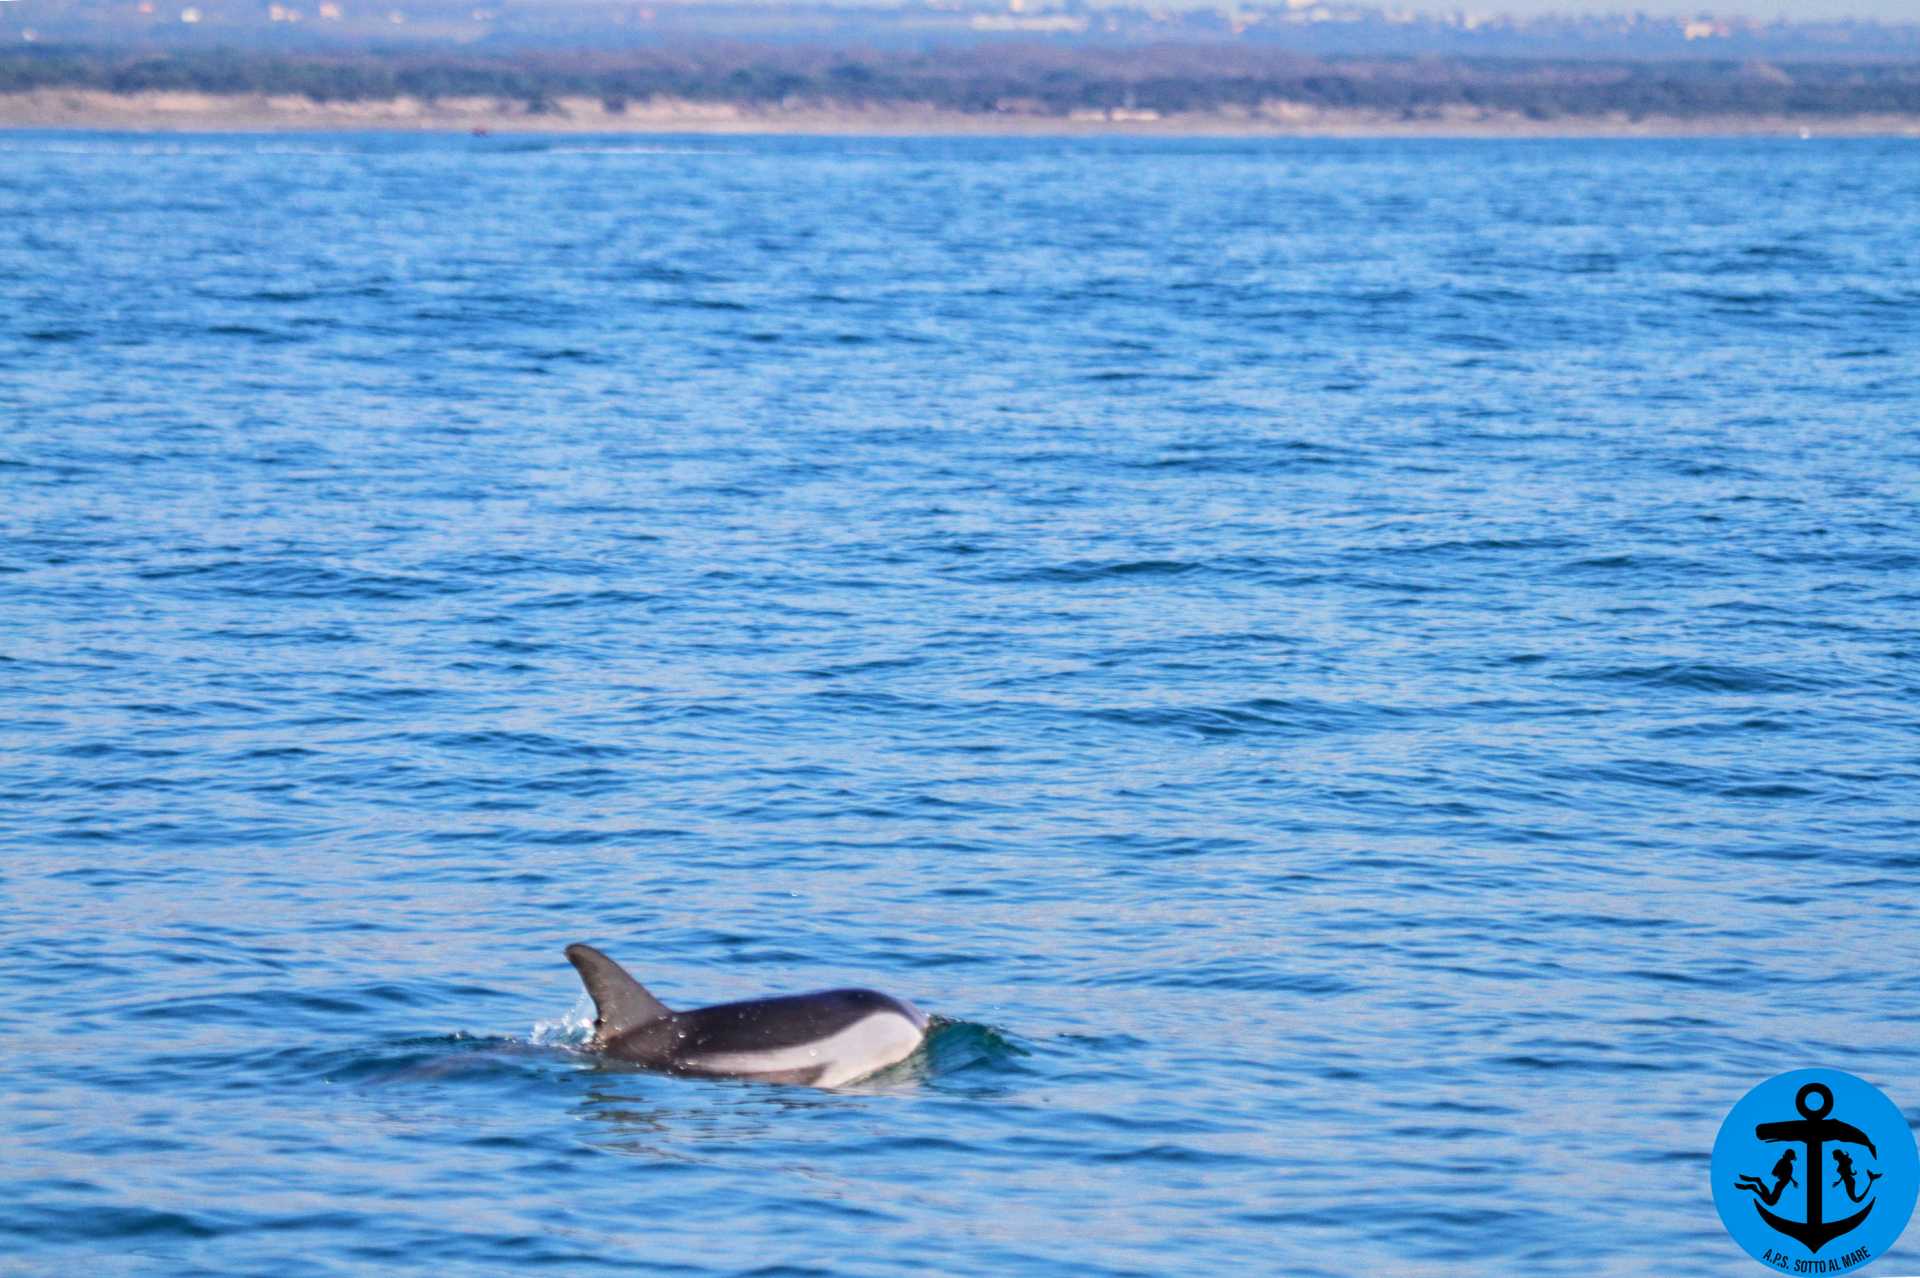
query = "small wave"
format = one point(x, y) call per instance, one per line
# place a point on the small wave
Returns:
point(433, 1058)
point(1252, 459)
point(1532, 1063)
point(1732, 299)
point(497, 742)
point(1084, 570)
point(99, 1224)
point(602, 149)
point(266, 579)
point(1259, 716)
point(1699, 676)
point(953, 1049)
point(1238, 973)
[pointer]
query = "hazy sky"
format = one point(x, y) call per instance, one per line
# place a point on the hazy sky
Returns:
point(1801, 10)
point(1901, 11)
point(1905, 12)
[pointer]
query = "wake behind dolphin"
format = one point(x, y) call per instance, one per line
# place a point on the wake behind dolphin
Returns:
point(819, 1040)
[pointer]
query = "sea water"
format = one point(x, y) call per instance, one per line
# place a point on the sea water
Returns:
point(1372, 686)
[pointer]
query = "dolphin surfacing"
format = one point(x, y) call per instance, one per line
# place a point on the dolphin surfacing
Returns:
point(819, 1040)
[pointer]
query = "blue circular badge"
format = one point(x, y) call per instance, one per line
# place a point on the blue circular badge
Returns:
point(1815, 1172)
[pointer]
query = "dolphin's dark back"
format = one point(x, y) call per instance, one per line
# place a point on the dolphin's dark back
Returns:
point(768, 1024)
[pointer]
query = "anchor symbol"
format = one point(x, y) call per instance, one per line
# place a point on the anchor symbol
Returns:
point(1812, 1129)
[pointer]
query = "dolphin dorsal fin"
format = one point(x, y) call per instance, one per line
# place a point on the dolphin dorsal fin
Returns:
point(620, 1003)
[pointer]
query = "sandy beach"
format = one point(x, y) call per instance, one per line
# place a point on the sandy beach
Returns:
point(184, 112)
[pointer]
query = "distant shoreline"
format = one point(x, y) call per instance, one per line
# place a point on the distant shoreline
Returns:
point(193, 112)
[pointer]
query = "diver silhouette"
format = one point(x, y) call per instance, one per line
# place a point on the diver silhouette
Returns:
point(1782, 1177)
point(1843, 1163)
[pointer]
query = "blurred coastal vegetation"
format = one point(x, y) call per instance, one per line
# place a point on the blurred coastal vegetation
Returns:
point(1027, 80)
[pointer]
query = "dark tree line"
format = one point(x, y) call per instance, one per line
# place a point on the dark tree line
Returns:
point(1171, 80)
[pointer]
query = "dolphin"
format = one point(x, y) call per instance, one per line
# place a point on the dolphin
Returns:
point(818, 1040)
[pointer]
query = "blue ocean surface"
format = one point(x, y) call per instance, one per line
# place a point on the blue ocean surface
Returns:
point(1374, 686)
